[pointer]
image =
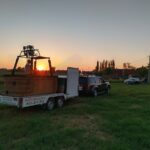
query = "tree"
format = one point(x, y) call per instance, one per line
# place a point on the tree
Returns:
point(128, 66)
point(108, 71)
point(124, 66)
point(97, 66)
point(113, 64)
point(106, 64)
point(142, 71)
point(100, 66)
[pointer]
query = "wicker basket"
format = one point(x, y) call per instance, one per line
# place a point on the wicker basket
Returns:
point(29, 85)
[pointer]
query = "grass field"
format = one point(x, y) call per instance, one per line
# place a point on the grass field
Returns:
point(120, 121)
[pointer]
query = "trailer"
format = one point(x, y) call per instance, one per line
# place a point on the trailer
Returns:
point(49, 101)
point(54, 93)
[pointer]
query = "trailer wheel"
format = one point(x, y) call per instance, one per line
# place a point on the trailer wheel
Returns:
point(50, 104)
point(60, 102)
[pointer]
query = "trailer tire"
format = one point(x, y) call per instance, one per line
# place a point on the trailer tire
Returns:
point(50, 105)
point(60, 102)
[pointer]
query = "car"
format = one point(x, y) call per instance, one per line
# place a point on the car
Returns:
point(93, 85)
point(132, 80)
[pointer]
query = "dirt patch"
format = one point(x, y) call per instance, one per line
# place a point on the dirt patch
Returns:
point(87, 123)
point(135, 106)
point(80, 121)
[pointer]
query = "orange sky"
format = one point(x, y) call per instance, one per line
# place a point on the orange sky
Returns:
point(62, 60)
point(76, 33)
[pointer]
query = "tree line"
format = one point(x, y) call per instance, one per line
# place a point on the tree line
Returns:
point(107, 67)
point(101, 66)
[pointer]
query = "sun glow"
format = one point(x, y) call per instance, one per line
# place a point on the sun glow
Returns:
point(40, 68)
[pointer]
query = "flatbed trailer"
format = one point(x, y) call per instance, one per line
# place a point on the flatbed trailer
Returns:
point(49, 101)
point(27, 101)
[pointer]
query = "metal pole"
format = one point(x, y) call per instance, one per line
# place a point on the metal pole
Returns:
point(149, 71)
point(31, 71)
point(50, 67)
point(35, 65)
point(14, 69)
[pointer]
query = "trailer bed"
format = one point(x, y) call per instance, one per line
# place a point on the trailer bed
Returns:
point(49, 99)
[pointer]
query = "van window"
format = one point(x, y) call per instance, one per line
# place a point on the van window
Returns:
point(91, 80)
point(83, 80)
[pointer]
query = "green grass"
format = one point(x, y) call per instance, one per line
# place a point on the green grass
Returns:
point(120, 121)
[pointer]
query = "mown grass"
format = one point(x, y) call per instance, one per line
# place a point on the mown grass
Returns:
point(120, 121)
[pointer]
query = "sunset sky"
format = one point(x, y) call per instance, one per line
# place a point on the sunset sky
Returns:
point(76, 33)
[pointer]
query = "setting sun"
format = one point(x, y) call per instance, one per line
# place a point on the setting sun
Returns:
point(40, 68)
